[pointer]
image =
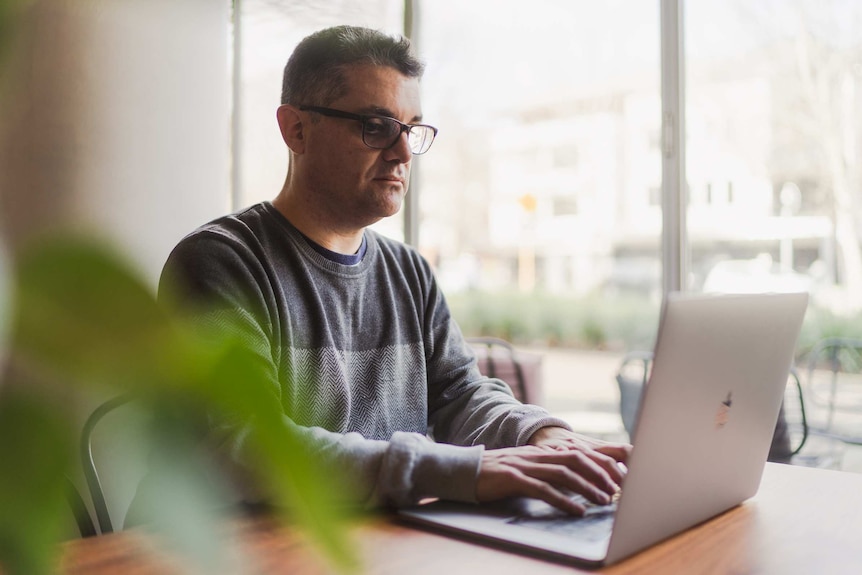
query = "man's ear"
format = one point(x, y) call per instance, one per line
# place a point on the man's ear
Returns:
point(292, 128)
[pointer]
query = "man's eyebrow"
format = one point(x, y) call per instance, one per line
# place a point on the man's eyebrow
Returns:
point(380, 111)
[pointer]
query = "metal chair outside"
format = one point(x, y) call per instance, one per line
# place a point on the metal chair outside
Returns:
point(791, 431)
point(834, 389)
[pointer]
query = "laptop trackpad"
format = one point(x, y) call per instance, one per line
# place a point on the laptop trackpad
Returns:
point(594, 526)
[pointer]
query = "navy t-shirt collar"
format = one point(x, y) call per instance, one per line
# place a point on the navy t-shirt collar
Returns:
point(343, 259)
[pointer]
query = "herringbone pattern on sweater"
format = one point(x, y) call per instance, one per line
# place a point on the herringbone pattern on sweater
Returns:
point(374, 392)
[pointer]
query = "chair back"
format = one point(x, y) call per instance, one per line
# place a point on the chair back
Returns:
point(115, 447)
point(791, 428)
point(499, 359)
point(834, 389)
point(633, 375)
point(82, 516)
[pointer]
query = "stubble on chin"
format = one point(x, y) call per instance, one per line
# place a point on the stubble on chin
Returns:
point(388, 199)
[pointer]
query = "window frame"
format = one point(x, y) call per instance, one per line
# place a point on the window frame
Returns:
point(675, 249)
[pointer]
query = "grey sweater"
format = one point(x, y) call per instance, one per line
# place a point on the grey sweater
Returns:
point(367, 362)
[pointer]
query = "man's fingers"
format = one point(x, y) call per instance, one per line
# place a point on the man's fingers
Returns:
point(599, 470)
point(510, 481)
point(606, 456)
point(544, 474)
point(618, 452)
point(609, 464)
point(538, 489)
point(561, 477)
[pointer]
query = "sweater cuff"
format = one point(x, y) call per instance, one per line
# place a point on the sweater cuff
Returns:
point(440, 470)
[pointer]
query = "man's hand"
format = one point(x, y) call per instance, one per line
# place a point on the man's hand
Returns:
point(563, 439)
point(557, 464)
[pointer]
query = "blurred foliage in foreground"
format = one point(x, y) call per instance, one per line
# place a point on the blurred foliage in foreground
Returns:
point(619, 323)
point(81, 323)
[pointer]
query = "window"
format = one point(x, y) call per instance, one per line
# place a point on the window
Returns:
point(270, 30)
point(540, 204)
point(566, 205)
point(565, 156)
point(773, 119)
point(535, 204)
point(542, 101)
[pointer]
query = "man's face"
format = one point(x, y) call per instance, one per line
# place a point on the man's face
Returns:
point(356, 185)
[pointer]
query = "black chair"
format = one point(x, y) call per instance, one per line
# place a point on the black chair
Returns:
point(632, 377)
point(91, 475)
point(496, 358)
point(83, 519)
point(791, 430)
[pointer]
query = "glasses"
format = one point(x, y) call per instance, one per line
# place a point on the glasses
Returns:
point(382, 132)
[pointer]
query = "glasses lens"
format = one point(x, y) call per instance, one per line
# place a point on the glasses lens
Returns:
point(380, 132)
point(420, 138)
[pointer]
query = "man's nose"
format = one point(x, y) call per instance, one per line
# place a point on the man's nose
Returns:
point(400, 150)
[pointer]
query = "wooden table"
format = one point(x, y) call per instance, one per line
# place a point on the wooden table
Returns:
point(801, 521)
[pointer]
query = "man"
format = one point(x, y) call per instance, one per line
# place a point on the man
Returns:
point(359, 342)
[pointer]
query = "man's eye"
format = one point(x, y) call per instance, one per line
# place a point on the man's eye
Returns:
point(378, 127)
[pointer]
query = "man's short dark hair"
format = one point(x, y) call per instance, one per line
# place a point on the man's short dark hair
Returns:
point(314, 74)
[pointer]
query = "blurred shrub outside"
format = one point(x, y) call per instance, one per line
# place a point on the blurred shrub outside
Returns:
point(553, 320)
point(615, 323)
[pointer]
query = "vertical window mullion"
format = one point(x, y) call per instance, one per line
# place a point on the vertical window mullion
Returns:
point(411, 201)
point(236, 119)
point(674, 243)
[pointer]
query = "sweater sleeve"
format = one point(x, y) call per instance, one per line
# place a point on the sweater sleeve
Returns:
point(226, 289)
point(465, 407)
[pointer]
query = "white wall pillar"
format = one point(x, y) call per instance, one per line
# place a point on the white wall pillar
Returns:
point(116, 120)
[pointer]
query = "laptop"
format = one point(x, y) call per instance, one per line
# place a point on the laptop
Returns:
point(700, 445)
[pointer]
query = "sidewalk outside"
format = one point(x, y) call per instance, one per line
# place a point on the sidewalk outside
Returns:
point(580, 387)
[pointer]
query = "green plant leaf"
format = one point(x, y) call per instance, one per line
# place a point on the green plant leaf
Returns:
point(310, 493)
point(35, 450)
point(78, 309)
point(81, 315)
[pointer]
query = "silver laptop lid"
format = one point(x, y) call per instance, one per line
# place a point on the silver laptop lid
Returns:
point(720, 369)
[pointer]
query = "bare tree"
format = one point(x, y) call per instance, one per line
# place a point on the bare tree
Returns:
point(815, 52)
point(826, 71)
